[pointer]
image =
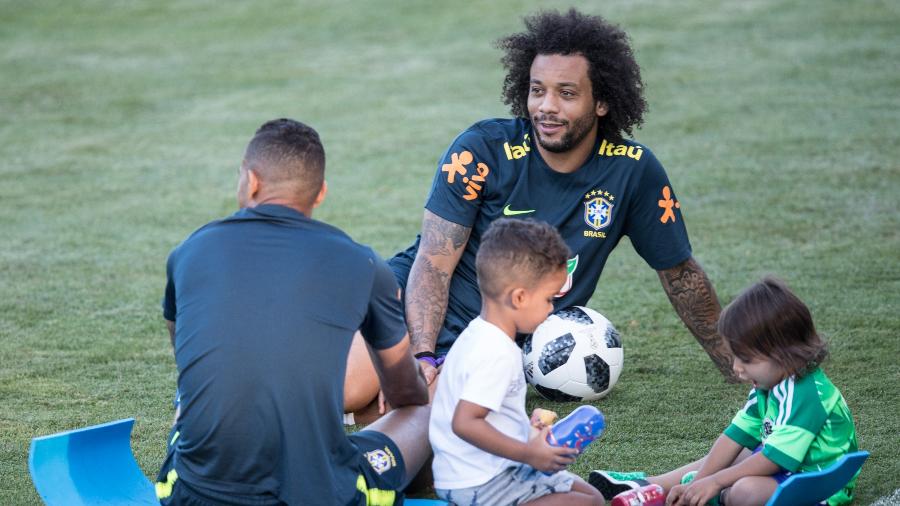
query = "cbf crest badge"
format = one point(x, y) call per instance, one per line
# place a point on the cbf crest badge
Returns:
point(380, 460)
point(598, 213)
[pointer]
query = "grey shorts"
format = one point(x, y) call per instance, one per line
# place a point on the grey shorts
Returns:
point(514, 485)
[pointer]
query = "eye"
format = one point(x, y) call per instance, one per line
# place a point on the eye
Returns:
point(567, 93)
point(536, 90)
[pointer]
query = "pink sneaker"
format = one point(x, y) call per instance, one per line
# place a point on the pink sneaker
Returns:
point(649, 495)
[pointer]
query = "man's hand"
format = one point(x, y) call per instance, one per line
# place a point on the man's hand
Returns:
point(401, 381)
point(429, 371)
point(383, 405)
point(694, 299)
point(543, 456)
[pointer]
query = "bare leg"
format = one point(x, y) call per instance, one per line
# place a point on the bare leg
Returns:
point(672, 478)
point(408, 429)
point(581, 494)
point(361, 384)
point(751, 491)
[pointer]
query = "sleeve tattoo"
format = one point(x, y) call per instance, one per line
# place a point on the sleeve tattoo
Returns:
point(429, 280)
point(694, 299)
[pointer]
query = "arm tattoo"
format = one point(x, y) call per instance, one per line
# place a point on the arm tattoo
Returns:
point(694, 299)
point(441, 237)
point(428, 287)
point(426, 304)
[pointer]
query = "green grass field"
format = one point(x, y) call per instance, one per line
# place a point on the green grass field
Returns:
point(122, 125)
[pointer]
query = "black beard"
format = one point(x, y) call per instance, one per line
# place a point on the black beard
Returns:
point(578, 131)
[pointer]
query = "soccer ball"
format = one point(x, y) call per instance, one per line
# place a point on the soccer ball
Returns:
point(575, 355)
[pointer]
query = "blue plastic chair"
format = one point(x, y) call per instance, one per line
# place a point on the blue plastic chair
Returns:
point(89, 466)
point(813, 487)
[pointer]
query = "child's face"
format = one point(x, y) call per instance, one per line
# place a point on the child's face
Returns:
point(537, 302)
point(761, 371)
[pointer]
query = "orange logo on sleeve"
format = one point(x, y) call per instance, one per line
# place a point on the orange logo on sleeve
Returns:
point(667, 203)
point(457, 165)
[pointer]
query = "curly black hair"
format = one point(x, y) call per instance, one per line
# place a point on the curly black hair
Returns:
point(614, 73)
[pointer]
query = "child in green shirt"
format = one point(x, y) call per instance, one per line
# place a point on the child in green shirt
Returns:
point(794, 420)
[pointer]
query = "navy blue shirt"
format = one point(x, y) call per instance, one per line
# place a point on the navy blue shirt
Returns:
point(493, 169)
point(265, 304)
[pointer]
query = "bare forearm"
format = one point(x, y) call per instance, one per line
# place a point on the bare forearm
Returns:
point(755, 465)
point(400, 378)
point(428, 288)
point(410, 392)
point(721, 456)
point(478, 432)
point(426, 304)
point(694, 299)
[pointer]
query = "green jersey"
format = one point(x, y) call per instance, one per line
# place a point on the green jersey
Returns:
point(804, 424)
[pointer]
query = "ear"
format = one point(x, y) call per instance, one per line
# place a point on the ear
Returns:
point(601, 109)
point(517, 297)
point(252, 184)
point(323, 191)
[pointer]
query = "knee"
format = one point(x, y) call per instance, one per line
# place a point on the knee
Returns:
point(358, 394)
point(743, 492)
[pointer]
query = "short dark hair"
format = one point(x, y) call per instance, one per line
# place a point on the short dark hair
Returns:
point(768, 320)
point(518, 251)
point(288, 151)
point(615, 75)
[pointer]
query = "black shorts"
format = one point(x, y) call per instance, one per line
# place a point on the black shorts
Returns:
point(380, 465)
point(401, 264)
point(382, 476)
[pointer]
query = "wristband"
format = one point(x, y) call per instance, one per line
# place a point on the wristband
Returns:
point(430, 358)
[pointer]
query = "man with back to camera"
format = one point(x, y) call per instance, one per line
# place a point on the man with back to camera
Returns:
point(261, 308)
point(574, 88)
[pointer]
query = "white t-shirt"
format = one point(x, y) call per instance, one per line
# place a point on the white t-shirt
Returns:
point(484, 367)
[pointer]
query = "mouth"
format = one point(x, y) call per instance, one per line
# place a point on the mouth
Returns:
point(548, 127)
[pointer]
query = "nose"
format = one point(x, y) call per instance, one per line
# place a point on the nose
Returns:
point(549, 104)
point(735, 367)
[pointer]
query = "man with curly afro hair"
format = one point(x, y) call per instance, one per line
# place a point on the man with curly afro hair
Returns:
point(575, 90)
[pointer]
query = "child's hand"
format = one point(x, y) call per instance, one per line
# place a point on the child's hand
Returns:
point(696, 493)
point(541, 418)
point(545, 457)
point(675, 494)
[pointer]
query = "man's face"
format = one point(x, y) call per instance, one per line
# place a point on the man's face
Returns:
point(561, 102)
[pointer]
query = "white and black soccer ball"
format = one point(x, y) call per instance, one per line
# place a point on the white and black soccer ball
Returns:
point(575, 355)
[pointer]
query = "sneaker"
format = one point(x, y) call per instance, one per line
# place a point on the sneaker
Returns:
point(689, 477)
point(612, 483)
